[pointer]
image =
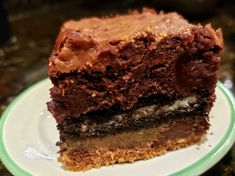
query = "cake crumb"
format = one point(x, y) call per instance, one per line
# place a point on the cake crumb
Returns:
point(93, 95)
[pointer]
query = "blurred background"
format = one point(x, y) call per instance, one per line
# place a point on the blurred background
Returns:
point(28, 29)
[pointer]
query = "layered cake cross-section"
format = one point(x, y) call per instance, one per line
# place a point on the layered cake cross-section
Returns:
point(131, 87)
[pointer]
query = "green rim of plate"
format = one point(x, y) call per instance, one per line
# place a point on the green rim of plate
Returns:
point(196, 168)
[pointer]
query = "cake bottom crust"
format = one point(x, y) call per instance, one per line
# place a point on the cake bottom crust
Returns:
point(127, 147)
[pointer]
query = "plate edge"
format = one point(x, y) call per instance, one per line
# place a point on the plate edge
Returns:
point(4, 157)
point(221, 148)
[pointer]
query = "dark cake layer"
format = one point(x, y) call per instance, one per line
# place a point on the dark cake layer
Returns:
point(101, 123)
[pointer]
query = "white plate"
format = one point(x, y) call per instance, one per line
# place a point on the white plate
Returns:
point(28, 135)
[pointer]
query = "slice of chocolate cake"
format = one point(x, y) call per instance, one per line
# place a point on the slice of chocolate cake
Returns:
point(131, 87)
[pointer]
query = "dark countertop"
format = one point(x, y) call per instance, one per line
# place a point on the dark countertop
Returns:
point(25, 63)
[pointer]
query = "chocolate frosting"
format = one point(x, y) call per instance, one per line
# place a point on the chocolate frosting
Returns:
point(80, 43)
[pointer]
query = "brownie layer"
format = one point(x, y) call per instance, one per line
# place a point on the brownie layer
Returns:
point(189, 64)
point(89, 153)
point(146, 115)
